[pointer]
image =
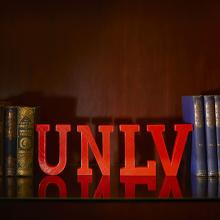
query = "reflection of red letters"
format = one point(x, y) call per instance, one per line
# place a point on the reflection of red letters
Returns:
point(130, 169)
point(42, 129)
point(56, 180)
point(131, 181)
point(84, 181)
point(170, 167)
point(102, 190)
point(87, 140)
point(170, 184)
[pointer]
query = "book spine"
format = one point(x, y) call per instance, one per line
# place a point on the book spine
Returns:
point(211, 145)
point(193, 113)
point(1, 139)
point(25, 140)
point(10, 140)
point(217, 124)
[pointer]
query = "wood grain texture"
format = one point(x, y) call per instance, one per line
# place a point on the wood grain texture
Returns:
point(102, 61)
point(111, 58)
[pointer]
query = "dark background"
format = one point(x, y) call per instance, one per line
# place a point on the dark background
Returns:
point(108, 62)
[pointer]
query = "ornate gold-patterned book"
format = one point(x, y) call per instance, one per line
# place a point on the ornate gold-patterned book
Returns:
point(25, 140)
point(10, 141)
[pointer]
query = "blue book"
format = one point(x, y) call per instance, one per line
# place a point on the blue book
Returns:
point(217, 124)
point(211, 145)
point(193, 113)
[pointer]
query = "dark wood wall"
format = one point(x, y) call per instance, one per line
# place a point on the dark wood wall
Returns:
point(100, 61)
point(132, 59)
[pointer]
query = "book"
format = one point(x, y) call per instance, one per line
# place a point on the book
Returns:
point(1, 138)
point(211, 145)
point(193, 113)
point(217, 125)
point(25, 140)
point(10, 140)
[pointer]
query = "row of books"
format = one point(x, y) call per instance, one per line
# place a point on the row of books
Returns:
point(203, 187)
point(16, 140)
point(204, 113)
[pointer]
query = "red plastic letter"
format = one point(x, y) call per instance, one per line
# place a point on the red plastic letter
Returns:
point(42, 129)
point(130, 169)
point(170, 167)
point(88, 139)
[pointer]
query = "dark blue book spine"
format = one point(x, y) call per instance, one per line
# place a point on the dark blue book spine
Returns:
point(211, 145)
point(193, 113)
point(10, 140)
point(217, 124)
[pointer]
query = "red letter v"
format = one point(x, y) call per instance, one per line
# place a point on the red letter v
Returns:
point(170, 167)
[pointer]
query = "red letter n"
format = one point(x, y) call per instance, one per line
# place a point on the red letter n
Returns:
point(87, 140)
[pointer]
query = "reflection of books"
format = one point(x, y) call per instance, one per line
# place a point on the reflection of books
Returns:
point(212, 187)
point(199, 186)
point(203, 187)
point(10, 183)
point(24, 187)
point(1, 187)
point(1, 137)
point(219, 187)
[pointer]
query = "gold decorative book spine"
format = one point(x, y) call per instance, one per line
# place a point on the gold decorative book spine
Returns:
point(25, 140)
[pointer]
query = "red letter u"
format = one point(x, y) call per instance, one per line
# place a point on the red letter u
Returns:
point(42, 129)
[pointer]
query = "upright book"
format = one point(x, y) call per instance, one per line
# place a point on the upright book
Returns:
point(217, 124)
point(211, 145)
point(10, 140)
point(25, 140)
point(193, 113)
